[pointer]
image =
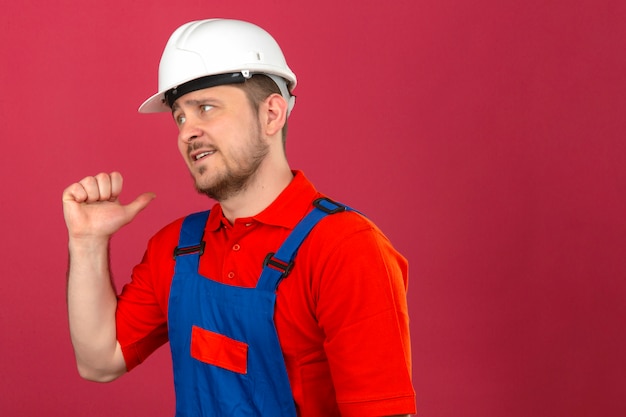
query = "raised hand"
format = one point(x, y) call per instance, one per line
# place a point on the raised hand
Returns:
point(92, 208)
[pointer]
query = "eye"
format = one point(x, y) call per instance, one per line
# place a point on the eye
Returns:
point(180, 119)
point(205, 108)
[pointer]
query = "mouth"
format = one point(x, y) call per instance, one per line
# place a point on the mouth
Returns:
point(197, 156)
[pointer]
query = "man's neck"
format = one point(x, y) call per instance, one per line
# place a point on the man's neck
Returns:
point(262, 190)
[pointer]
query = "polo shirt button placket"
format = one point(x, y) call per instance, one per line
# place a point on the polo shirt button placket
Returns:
point(231, 275)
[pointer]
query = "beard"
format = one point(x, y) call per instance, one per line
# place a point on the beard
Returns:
point(236, 174)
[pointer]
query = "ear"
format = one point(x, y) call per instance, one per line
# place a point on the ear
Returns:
point(274, 115)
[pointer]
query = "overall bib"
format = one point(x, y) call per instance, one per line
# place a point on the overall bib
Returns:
point(225, 350)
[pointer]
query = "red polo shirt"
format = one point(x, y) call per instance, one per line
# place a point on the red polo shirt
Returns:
point(341, 315)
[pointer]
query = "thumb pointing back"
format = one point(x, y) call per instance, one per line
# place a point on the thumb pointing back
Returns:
point(139, 204)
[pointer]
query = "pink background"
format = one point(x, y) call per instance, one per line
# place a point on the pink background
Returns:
point(485, 138)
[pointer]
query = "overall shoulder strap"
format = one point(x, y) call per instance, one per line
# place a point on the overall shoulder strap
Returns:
point(191, 233)
point(277, 266)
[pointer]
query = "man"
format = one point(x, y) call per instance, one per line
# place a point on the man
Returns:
point(254, 328)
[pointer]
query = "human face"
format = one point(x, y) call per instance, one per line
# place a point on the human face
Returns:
point(220, 140)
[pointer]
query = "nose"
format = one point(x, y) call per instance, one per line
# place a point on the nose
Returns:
point(188, 132)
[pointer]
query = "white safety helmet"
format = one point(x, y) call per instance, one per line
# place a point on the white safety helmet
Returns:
point(207, 53)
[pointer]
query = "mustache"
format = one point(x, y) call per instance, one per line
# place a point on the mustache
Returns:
point(194, 146)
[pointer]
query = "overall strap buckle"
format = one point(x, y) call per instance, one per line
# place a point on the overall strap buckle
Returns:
point(277, 264)
point(188, 250)
point(328, 206)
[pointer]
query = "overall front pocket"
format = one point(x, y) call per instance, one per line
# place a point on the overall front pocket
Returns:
point(219, 350)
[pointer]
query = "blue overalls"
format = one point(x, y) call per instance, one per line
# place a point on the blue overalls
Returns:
point(225, 350)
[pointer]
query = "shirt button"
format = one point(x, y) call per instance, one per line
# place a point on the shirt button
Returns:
point(231, 275)
point(236, 246)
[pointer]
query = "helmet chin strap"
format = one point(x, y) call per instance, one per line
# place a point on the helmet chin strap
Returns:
point(282, 86)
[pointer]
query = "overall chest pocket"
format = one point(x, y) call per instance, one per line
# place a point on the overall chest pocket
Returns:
point(219, 350)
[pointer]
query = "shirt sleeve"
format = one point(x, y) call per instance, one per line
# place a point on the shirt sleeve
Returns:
point(141, 316)
point(362, 309)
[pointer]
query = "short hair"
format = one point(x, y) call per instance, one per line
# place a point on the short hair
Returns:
point(257, 89)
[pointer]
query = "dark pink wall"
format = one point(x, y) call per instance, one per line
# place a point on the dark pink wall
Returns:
point(485, 138)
